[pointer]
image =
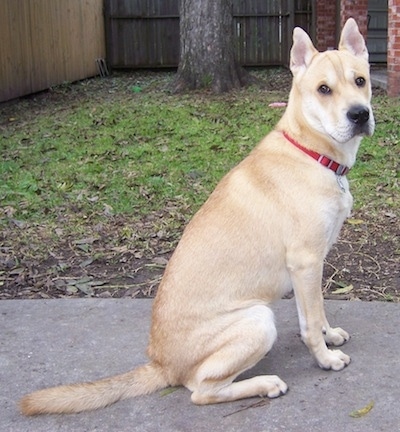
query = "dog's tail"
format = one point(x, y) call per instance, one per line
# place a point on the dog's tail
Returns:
point(93, 395)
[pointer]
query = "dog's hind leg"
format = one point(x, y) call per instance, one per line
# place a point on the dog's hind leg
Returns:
point(240, 347)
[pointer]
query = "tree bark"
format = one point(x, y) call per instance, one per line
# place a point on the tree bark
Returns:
point(207, 57)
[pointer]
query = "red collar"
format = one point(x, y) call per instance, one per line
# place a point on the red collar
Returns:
point(338, 169)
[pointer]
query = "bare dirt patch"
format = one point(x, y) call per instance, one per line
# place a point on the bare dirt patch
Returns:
point(363, 264)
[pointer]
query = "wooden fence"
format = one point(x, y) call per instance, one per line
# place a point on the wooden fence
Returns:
point(146, 33)
point(47, 42)
point(263, 29)
point(142, 33)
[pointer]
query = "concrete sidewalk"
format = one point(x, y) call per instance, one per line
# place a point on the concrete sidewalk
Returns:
point(49, 342)
point(379, 78)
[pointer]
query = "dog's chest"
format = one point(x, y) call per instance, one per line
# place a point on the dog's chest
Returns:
point(337, 211)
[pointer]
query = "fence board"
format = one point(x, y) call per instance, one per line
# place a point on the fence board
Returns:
point(258, 31)
point(146, 33)
point(142, 33)
point(14, 67)
point(47, 42)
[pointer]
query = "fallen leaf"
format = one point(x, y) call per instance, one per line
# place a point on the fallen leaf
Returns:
point(86, 262)
point(72, 289)
point(160, 261)
point(97, 283)
point(80, 281)
point(9, 211)
point(18, 223)
point(87, 240)
point(108, 210)
point(355, 221)
point(343, 290)
point(363, 411)
point(85, 288)
point(17, 271)
point(120, 249)
point(62, 267)
point(84, 247)
point(195, 174)
point(168, 391)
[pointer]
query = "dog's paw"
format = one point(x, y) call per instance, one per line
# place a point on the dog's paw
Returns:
point(336, 336)
point(334, 359)
point(273, 386)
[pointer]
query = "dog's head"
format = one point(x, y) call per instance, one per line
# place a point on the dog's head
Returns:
point(334, 85)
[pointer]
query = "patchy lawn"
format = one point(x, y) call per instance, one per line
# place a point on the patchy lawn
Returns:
point(99, 179)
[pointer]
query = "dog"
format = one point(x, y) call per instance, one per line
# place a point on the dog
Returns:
point(262, 233)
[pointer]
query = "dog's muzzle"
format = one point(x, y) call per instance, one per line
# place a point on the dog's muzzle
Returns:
point(359, 115)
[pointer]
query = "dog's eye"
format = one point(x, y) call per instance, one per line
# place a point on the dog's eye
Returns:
point(324, 89)
point(360, 82)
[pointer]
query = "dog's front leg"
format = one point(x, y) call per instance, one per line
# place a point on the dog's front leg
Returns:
point(315, 329)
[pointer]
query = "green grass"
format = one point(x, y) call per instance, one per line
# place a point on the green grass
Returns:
point(136, 152)
point(375, 177)
point(129, 156)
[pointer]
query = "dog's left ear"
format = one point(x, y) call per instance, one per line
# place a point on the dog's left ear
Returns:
point(352, 40)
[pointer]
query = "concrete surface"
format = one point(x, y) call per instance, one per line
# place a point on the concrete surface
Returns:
point(379, 78)
point(49, 342)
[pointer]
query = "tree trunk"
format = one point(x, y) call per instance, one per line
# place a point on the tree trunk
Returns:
point(207, 52)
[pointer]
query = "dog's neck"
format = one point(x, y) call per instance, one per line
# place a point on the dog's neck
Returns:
point(337, 168)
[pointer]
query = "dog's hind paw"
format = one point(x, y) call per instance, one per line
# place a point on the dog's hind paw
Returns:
point(274, 386)
point(336, 336)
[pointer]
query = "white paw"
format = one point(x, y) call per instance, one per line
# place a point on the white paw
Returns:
point(334, 359)
point(336, 336)
point(274, 386)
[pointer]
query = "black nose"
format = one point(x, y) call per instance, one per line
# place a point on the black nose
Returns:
point(358, 114)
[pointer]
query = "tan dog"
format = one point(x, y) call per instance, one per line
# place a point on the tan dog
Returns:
point(264, 231)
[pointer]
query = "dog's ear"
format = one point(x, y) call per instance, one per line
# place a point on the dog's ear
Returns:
point(302, 51)
point(352, 40)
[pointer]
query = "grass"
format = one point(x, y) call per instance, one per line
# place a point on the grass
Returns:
point(98, 176)
point(375, 177)
point(132, 155)
point(136, 151)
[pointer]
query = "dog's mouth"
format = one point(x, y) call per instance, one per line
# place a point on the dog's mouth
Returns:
point(348, 132)
point(365, 130)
